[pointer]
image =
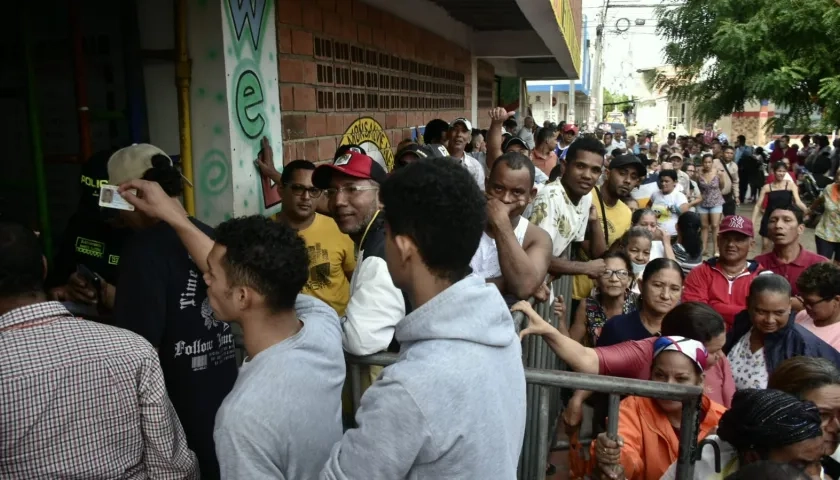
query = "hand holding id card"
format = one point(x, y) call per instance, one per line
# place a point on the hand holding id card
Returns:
point(109, 197)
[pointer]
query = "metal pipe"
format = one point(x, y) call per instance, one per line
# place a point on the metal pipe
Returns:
point(356, 386)
point(80, 81)
point(578, 381)
point(37, 146)
point(542, 431)
point(689, 426)
point(183, 75)
point(612, 415)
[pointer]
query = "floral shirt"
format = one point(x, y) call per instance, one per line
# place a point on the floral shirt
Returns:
point(596, 317)
point(829, 227)
point(749, 370)
point(555, 213)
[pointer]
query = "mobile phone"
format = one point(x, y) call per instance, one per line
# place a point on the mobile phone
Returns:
point(87, 274)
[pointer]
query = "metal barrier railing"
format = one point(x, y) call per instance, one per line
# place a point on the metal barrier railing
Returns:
point(547, 380)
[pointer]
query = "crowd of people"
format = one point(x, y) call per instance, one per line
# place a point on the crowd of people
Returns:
point(123, 354)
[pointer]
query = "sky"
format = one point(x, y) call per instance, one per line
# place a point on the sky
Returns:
point(624, 53)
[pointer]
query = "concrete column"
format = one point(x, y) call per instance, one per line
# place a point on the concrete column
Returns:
point(235, 102)
point(571, 117)
point(474, 92)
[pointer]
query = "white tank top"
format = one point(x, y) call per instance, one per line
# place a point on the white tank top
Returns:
point(485, 262)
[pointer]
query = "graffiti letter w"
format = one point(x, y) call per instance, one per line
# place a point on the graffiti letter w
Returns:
point(252, 13)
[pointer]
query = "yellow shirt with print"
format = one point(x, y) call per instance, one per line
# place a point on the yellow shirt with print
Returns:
point(332, 260)
point(619, 219)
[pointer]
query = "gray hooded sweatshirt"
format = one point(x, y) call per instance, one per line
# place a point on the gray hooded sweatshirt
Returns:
point(453, 406)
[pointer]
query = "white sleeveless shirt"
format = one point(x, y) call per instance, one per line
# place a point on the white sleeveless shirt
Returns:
point(485, 262)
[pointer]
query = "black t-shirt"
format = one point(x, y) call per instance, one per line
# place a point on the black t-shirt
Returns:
point(88, 240)
point(162, 296)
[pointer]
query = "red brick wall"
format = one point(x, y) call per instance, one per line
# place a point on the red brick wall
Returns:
point(340, 60)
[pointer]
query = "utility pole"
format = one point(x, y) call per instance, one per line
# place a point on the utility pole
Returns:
point(599, 64)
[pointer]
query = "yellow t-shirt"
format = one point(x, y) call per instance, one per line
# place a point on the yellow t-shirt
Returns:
point(332, 259)
point(619, 219)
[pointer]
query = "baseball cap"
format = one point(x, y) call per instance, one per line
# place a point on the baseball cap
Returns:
point(352, 164)
point(570, 128)
point(130, 163)
point(629, 160)
point(692, 349)
point(340, 151)
point(676, 155)
point(514, 141)
point(462, 121)
point(738, 224)
point(422, 151)
point(672, 135)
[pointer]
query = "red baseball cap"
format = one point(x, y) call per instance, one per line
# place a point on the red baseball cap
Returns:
point(352, 164)
point(570, 127)
point(738, 224)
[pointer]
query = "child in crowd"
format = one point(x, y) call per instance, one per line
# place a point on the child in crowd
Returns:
point(688, 251)
point(636, 244)
point(661, 246)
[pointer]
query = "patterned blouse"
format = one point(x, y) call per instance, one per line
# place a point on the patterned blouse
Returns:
point(596, 317)
point(711, 192)
point(749, 370)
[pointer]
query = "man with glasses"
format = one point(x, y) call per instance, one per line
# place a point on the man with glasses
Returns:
point(376, 305)
point(331, 253)
point(819, 293)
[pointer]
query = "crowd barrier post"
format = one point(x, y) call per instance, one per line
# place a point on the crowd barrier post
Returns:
point(548, 379)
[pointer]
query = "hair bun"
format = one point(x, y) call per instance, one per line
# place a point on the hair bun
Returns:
point(161, 161)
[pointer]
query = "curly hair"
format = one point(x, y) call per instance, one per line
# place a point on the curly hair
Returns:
point(266, 256)
point(822, 279)
point(590, 145)
point(438, 205)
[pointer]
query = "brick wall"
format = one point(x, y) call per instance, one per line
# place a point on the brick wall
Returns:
point(342, 60)
point(486, 97)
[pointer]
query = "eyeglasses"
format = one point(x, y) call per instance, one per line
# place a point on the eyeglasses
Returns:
point(807, 304)
point(619, 274)
point(298, 190)
point(351, 190)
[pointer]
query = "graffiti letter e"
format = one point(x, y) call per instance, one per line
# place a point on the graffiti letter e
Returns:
point(249, 94)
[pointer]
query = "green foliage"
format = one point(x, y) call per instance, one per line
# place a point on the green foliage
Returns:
point(729, 52)
point(617, 101)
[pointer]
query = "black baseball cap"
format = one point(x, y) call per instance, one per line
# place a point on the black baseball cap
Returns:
point(672, 135)
point(422, 151)
point(628, 160)
point(514, 141)
point(342, 150)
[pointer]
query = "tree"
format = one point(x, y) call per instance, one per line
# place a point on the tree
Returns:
point(617, 101)
point(729, 53)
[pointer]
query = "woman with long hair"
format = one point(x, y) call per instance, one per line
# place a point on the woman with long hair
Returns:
point(688, 251)
point(711, 181)
point(780, 192)
point(611, 298)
